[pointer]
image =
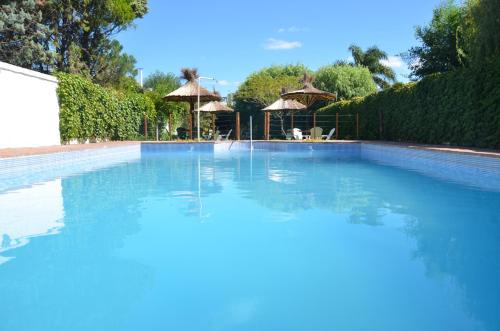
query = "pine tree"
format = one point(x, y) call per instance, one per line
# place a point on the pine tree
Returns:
point(23, 37)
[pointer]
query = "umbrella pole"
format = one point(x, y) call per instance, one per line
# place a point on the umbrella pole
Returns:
point(291, 121)
point(268, 127)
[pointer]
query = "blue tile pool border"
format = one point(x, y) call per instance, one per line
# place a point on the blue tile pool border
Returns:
point(477, 170)
point(21, 171)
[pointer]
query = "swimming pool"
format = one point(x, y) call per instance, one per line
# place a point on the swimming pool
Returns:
point(287, 237)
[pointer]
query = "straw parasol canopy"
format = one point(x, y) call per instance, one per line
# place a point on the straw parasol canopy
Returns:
point(216, 107)
point(308, 95)
point(189, 91)
point(285, 105)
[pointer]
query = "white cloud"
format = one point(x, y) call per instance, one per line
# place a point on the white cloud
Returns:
point(393, 62)
point(278, 44)
point(227, 83)
point(293, 29)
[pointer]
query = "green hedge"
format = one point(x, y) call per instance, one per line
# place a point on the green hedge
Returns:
point(461, 107)
point(90, 111)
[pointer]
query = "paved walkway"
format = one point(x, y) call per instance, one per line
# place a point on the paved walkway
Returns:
point(441, 148)
point(11, 152)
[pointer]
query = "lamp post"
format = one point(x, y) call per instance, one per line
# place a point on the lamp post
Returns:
point(198, 110)
point(140, 76)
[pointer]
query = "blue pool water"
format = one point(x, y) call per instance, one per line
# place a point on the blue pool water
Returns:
point(268, 241)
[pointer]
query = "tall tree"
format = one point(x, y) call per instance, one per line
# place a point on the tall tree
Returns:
point(159, 84)
point(81, 31)
point(382, 75)
point(22, 35)
point(262, 88)
point(485, 25)
point(443, 47)
point(114, 65)
point(345, 80)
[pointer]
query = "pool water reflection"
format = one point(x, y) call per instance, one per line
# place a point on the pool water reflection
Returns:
point(240, 241)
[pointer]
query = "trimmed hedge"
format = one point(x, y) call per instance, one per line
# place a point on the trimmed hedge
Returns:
point(89, 111)
point(461, 108)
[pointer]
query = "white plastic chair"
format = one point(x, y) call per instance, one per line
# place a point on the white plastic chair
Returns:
point(330, 135)
point(296, 135)
point(225, 136)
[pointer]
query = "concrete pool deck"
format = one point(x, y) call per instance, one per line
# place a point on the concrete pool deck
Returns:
point(14, 152)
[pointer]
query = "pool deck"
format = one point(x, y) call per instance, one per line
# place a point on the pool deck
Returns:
point(14, 152)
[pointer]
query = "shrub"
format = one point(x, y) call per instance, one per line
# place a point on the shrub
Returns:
point(460, 107)
point(89, 111)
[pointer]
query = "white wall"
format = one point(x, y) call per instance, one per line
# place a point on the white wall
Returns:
point(29, 110)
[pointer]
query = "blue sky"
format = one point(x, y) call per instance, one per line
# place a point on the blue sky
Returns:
point(229, 40)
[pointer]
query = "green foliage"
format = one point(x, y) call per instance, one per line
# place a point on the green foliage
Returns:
point(293, 70)
point(346, 80)
point(81, 34)
point(114, 65)
point(262, 88)
point(159, 84)
point(382, 75)
point(485, 17)
point(22, 35)
point(89, 111)
point(461, 107)
point(443, 45)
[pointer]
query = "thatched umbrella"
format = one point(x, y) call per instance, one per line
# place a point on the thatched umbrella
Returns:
point(308, 95)
point(214, 107)
point(281, 105)
point(285, 105)
point(189, 93)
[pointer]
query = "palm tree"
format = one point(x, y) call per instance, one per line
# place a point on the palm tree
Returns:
point(382, 74)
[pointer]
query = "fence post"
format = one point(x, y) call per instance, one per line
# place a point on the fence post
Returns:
point(337, 126)
point(357, 125)
point(213, 125)
point(238, 125)
point(266, 125)
point(157, 129)
point(190, 124)
point(380, 123)
point(170, 126)
point(145, 127)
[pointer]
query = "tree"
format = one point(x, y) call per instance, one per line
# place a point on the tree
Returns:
point(348, 81)
point(382, 75)
point(262, 88)
point(81, 32)
point(22, 35)
point(485, 25)
point(444, 46)
point(114, 65)
point(157, 85)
